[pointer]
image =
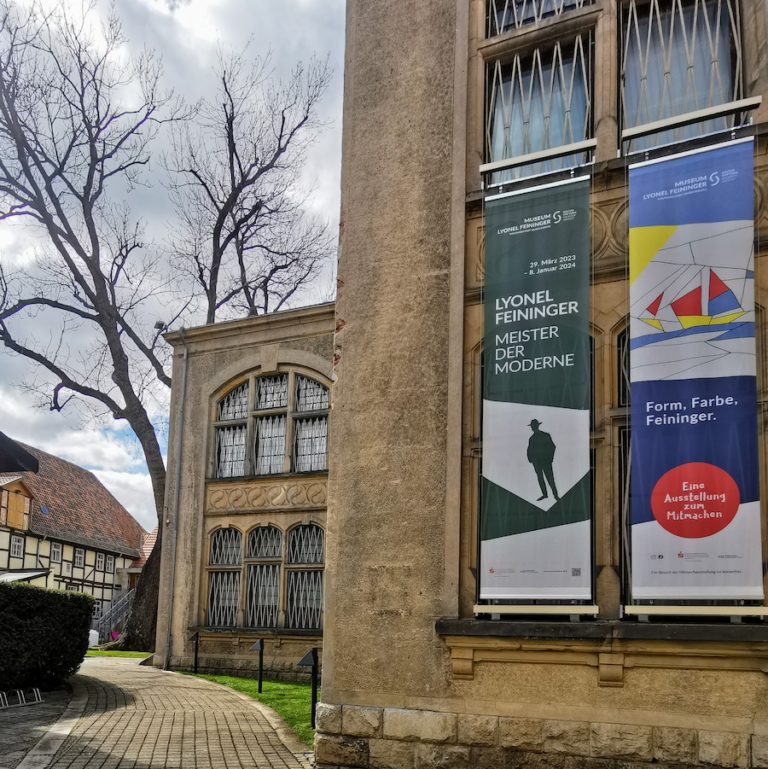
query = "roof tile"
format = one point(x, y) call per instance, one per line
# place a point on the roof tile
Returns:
point(79, 508)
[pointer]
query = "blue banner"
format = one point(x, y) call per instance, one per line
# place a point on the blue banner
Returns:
point(694, 496)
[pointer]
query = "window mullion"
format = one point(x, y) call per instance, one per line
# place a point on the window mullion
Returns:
point(250, 447)
point(290, 423)
point(242, 598)
point(282, 598)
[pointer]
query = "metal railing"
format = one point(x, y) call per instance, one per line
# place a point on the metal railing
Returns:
point(115, 616)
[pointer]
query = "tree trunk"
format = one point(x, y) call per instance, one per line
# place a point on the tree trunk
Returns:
point(140, 629)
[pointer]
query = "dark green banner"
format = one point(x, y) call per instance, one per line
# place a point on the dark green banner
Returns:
point(536, 512)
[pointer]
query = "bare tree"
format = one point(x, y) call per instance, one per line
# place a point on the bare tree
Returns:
point(75, 130)
point(244, 236)
point(77, 121)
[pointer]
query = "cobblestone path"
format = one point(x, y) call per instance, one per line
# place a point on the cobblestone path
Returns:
point(137, 717)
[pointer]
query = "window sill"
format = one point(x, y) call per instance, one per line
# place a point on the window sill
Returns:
point(251, 632)
point(271, 477)
point(605, 630)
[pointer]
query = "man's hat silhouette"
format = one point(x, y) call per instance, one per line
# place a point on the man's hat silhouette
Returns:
point(534, 423)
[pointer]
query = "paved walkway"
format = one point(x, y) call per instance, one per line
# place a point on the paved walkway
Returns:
point(22, 728)
point(126, 716)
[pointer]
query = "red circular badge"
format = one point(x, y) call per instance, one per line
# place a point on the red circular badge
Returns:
point(695, 500)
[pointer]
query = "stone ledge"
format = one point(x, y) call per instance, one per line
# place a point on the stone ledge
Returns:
point(603, 630)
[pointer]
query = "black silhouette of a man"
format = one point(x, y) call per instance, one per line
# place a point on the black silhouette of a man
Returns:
point(541, 452)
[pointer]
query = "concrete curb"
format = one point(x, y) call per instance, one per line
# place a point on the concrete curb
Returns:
point(48, 745)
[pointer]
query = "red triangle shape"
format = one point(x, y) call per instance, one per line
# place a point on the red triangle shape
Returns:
point(716, 286)
point(653, 307)
point(688, 304)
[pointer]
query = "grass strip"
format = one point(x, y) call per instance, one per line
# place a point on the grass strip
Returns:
point(291, 701)
point(127, 655)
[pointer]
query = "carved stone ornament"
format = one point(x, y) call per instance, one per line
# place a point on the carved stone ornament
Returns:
point(266, 496)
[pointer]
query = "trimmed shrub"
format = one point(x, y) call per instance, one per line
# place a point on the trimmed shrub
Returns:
point(43, 635)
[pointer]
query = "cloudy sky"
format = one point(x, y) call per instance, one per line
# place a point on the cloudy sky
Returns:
point(188, 38)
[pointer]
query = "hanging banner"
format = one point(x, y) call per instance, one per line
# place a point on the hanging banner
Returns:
point(536, 497)
point(695, 510)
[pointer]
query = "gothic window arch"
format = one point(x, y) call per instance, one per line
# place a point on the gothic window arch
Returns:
point(264, 556)
point(271, 424)
point(224, 559)
point(304, 576)
point(276, 576)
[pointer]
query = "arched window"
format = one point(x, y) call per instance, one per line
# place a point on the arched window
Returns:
point(281, 578)
point(304, 583)
point(272, 424)
point(224, 585)
point(225, 547)
point(265, 549)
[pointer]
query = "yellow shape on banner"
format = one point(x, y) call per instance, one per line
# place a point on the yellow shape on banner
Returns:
point(654, 323)
point(728, 318)
point(644, 244)
point(690, 321)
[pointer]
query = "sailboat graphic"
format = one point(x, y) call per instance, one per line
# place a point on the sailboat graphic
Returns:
point(711, 303)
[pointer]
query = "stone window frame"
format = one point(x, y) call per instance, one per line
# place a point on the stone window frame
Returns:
point(293, 417)
point(286, 568)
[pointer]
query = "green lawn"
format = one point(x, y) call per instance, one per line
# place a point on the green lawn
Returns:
point(291, 701)
point(129, 655)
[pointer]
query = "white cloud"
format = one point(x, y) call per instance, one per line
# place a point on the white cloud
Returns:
point(109, 451)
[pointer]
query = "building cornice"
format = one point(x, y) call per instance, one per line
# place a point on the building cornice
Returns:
point(290, 320)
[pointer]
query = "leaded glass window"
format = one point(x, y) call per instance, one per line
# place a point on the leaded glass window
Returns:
point(537, 102)
point(272, 392)
point(679, 56)
point(304, 609)
point(504, 15)
point(231, 439)
point(234, 405)
point(226, 547)
point(269, 446)
point(263, 595)
point(265, 542)
point(230, 451)
point(305, 544)
point(223, 598)
point(284, 429)
point(311, 444)
point(310, 395)
point(282, 586)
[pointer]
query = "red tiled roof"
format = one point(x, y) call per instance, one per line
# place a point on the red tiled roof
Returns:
point(71, 504)
point(147, 543)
